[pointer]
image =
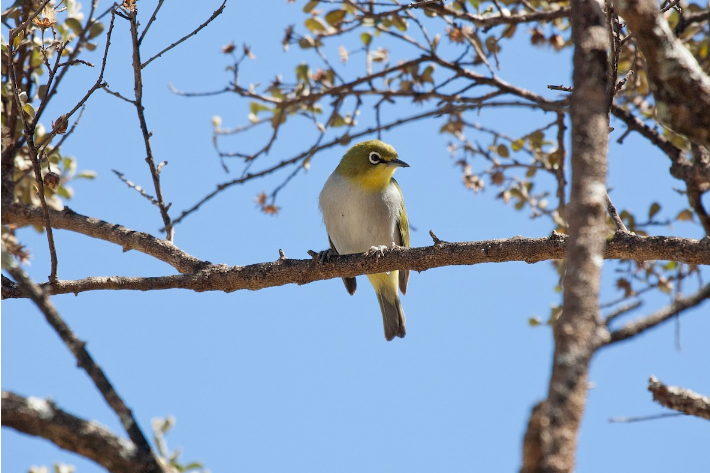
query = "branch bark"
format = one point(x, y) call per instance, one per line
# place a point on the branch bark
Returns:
point(126, 238)
point(680, 399)
point(680, 87)
point(295, 271)
point(87, 363)
point(42, 418)
point(576, 331)
point(635, 327)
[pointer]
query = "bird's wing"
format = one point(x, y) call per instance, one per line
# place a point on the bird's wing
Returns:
point(350, 283)
point(403, 229)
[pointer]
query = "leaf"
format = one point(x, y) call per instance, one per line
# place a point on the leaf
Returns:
point(335, 17)
point(64, 192)
point(685, 216)
point(18, 39)
point(302, 72)
point(655, 208)
point(517, 145)
point(86, 175)
point(366, 38)
point(310, 6)
point(502, 151)
point(534, 321)
point(315, 25)
point(95, 29)
point(75, 25)
point(399, 22)
point(427, 75)
point(29, 110)
point(256, 107)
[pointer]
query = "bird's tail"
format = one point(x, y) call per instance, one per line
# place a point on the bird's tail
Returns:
point(393, 319)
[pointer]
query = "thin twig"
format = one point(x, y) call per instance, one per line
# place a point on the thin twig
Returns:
point(632, 329)
point(615, 215)
point(138, 189)
point(138, 87)
point(150, 22)
point(215, 14)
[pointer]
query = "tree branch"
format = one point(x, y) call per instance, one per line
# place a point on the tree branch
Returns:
point(86, 362)
point(576, 330)
point(294, 271)
point(635, 327)
point(42, 418)
point(128, 239)
point(680, 87)
point(680, 399)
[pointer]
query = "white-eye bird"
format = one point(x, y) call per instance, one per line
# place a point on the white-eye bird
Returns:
point(363, 211)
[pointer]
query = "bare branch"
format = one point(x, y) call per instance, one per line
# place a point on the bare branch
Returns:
point(86, 362)
point(680, 399)
point(615, 215)
point(140, 109)
point(126, 238)
point(292, 271)
point(636, 327)
point(42, 418)
point(215, 14)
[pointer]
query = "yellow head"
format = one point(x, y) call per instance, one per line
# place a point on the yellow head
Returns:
point(370, 164)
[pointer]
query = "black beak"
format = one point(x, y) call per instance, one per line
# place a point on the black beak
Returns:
point(397, 163)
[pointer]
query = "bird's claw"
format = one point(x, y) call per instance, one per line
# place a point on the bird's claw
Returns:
point(325, 255)
point(377, 251)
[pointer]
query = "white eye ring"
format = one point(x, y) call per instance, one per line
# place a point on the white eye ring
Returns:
point(375, 157)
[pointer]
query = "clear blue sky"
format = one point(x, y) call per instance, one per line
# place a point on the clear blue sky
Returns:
point(301, 378)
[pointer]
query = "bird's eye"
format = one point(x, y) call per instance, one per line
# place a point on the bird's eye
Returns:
point(375, 157)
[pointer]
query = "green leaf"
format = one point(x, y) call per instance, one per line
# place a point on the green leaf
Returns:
point(306, 42)
point(399, 22)
point(655, 208)
point(86, 175)
point(502, 151)
point(302, 72)
point(64, 192)
point(427, 75)
point(75, 25)
point(517, 145)
point(310, 6)
point(29, 110)
point(335, 17)
point(18, 39)
point(315, 25)
point(256, 107)
point(366, 38)
point(534, 321)
point(95, 29)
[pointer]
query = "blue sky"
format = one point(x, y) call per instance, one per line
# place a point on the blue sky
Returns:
point(301, 378)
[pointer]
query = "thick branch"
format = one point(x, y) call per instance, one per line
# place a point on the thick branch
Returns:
point(576, 331)
point(680, 399)
point(293, 271)
point(85, 361)
point(128, 239)
point(39, 417)
point(680, 87)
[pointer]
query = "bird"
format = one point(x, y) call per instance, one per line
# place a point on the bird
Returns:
point(363, 211)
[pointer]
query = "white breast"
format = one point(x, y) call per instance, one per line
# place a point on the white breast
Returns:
point(358, 219)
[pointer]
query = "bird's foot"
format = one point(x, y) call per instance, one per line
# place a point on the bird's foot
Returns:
point(325, 255)
point(377, 251)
